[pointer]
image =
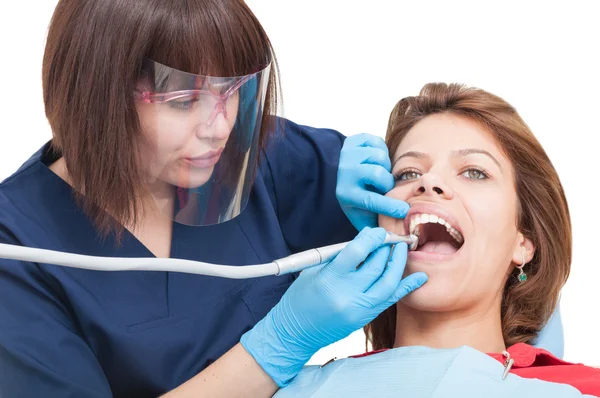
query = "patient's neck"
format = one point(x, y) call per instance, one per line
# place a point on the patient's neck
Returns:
point(477, 328)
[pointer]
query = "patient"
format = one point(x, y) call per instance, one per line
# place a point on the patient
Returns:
point(495, 240)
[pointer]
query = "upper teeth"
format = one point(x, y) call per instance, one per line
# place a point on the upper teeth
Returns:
point(432, 218)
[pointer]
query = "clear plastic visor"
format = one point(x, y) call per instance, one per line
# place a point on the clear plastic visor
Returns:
point(200, 140)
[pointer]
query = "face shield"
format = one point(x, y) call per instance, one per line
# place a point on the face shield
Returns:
point(200, 140)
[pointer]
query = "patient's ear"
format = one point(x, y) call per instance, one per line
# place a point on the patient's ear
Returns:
point(526, 244)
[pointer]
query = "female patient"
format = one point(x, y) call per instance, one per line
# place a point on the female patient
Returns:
point(495, 240)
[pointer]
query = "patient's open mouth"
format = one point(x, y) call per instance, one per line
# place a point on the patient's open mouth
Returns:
point(436, 235)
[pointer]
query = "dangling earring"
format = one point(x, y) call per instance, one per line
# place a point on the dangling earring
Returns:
point(522, 275)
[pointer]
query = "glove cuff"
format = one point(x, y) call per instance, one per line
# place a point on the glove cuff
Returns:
point(276, 358)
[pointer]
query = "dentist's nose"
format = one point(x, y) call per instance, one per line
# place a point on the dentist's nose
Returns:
point(218, 130)
point(432, 185)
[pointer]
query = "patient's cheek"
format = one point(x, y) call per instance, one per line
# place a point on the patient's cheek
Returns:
point(390, 224)
point(385, 222)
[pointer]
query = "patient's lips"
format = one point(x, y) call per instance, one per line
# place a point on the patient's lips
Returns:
point(420, 220)
point(438, 231)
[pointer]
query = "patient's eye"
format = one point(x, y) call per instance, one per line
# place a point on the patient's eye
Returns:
point(475, 174)
point(406, 175)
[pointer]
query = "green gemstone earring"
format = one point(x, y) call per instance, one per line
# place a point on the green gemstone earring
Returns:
point(522, 275)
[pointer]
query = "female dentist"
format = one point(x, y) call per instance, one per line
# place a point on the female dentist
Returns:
point(154, 153)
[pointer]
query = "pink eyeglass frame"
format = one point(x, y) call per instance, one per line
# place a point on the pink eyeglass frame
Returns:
point(149, 97)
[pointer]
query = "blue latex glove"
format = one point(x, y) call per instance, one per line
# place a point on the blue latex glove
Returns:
point(364, 176)
point(327, 303)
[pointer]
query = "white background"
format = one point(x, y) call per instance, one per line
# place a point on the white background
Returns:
point(346, 63)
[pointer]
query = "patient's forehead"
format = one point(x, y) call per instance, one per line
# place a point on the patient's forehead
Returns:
point(440, 134)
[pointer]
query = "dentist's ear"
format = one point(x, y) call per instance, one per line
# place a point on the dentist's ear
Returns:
point(523, 244)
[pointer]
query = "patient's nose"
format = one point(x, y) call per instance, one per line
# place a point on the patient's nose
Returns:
point(431, 184)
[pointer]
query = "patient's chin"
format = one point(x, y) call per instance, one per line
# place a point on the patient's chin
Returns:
point(438, 294)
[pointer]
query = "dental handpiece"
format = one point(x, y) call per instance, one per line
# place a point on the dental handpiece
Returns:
point(294, 263)
point(313, 257)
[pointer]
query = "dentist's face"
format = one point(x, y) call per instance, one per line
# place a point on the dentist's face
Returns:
point(179, 146)
point(464, 207)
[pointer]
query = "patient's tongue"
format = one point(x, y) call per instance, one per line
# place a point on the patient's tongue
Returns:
point(438, 247)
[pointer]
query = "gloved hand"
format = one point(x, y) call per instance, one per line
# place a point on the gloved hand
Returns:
point(364, 176)
point(328, 302)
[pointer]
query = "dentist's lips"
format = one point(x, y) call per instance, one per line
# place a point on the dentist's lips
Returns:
point(206, 160)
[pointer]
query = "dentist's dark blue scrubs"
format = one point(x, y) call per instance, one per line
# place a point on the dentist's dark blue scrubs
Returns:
point(68, 332)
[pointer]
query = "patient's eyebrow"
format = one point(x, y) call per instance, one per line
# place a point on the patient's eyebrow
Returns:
point(465, 152)
point(456, 154)
point(410, 154)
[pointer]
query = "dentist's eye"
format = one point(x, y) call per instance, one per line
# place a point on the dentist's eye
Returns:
point(475, 174)
point(406, 175)
point(184, 103)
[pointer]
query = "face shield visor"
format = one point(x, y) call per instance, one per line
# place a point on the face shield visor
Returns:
point(201, 140)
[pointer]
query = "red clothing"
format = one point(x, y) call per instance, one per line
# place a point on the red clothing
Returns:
point(536, 363)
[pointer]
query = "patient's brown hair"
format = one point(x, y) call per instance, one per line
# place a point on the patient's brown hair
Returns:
point(92, 62)
point(543, 214)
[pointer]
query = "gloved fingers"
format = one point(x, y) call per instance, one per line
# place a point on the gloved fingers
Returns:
point(364, 179)
point(365, 140)
point(310, 272)
point(365, 219)
point(390, 279)
point(366, 155)
point(371, 270)
point(356, 252)
point(379, 204)
point(370, 175)
point(408, 285)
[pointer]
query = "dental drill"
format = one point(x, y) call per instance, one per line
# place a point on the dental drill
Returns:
point(293, 263)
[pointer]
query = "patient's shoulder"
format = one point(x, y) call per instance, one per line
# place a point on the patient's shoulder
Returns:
point(532, 362)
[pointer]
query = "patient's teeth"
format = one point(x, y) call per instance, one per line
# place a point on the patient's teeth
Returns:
point(457, 235)
point(432, 218)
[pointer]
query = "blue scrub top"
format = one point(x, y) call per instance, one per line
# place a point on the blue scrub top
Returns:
point(68, 332)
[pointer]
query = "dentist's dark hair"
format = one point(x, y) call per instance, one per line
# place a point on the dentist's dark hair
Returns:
point(92, 62)
point(543, 213)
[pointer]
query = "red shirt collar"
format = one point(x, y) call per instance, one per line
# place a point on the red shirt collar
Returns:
point(526, 356)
